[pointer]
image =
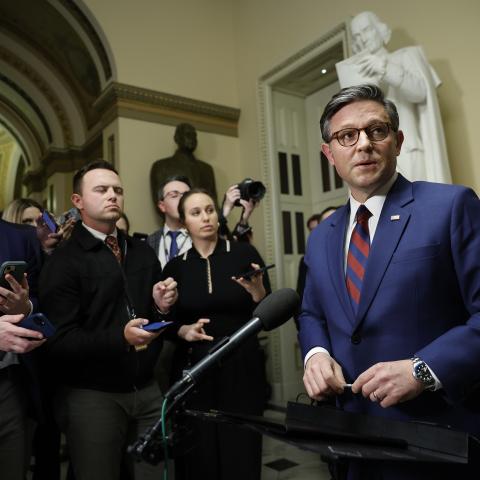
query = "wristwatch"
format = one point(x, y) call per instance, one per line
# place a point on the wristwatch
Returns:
point(422, 373)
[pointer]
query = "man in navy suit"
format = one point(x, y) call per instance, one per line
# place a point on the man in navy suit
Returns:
point(397, 312)
point(17, 242)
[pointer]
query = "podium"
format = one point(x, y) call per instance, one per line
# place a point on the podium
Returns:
point(337, 435)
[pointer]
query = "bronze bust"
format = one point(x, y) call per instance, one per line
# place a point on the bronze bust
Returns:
point(183, 162)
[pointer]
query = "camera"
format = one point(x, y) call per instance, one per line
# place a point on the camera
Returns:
point(251, 190)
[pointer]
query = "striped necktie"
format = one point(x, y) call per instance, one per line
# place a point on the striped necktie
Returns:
point(357, 257)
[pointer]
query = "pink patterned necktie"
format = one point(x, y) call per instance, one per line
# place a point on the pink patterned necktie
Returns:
point(112, 243)
point(358, 252)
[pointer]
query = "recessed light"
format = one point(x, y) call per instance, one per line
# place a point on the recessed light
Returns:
point(324, 71)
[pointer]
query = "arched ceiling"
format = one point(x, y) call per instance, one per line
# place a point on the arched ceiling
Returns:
point(53, 66)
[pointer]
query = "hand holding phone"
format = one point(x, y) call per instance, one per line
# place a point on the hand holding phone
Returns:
point(248, 275)
point(39, 323)
point(49, 221)
point(16, 269)
point(156, 326)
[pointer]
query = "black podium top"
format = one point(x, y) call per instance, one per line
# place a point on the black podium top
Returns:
point(337, 434)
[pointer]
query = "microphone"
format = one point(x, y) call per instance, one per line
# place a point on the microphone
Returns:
point(274, 310)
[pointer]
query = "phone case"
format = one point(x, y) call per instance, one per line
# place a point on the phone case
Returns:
point(156, 326)
point(14, 268)
point(39, 323)
point(49, 222)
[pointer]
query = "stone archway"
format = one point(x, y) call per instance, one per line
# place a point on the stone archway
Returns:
point(54, 64)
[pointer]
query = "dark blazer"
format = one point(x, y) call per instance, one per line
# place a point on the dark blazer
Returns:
point(154, 239)
point(421, 296)
point(82, 291)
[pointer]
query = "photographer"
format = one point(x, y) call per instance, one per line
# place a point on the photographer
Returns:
point(246, 194)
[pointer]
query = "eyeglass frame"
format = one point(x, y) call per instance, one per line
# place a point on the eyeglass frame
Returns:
point(364, 129)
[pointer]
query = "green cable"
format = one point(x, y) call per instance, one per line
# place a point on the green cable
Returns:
point(165, 441)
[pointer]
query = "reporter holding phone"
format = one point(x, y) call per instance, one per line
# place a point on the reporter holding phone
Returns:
point(19, 391)
point(98, 291)
point(214, 301)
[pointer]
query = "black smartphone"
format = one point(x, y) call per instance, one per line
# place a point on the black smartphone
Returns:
point(248, 275)
point(156, 326)
point(38, 322)
point(16, 269)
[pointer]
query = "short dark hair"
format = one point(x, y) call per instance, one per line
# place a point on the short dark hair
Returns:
point(356, 94)
point(96, 164)
point(193, 191)
point(317, 217)
point(172, 178)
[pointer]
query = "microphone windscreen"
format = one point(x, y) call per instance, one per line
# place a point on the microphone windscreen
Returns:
point(277, 308)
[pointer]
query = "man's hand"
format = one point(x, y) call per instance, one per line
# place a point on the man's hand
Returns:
point(135, 335)
point(388, 383)
point(15, 300)
point(17, 339)
point(231, 196)
point(323, 376)
point(372, 65)
point(248, 208)
point(165, 294)
point(195, 331)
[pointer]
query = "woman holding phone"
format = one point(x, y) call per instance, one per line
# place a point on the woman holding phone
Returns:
point(215, 301)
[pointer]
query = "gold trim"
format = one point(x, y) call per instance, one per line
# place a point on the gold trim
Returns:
point(58, 160)
point(128, 101)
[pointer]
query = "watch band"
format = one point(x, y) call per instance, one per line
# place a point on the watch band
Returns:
point(422, 373)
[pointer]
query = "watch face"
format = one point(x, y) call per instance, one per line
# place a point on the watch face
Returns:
point(423, 374)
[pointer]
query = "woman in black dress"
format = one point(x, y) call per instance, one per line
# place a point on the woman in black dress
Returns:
point(214, 302)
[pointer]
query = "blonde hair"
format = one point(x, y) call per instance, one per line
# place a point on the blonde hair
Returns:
point(14, 210)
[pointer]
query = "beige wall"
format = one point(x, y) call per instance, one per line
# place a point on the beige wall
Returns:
point(183, 47)
point(215, 50)
point(269, 31)
point(141, 143)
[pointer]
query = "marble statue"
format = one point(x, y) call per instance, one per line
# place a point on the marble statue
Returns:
point(410, 82)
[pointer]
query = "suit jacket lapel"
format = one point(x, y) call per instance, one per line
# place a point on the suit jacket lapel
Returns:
point(336, 258)
point(393, 220)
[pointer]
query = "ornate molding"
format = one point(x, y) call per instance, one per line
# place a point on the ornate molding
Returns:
point(92, 34)
point(58, 160)
point(304, 52)
point(121, 100)
point(52, 98)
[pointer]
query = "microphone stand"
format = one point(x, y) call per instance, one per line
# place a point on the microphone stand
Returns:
point(149, 445)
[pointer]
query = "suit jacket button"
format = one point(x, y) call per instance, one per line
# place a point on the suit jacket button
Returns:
point(356, 338)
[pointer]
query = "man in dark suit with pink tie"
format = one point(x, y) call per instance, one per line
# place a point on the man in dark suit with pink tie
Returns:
point(392, 297)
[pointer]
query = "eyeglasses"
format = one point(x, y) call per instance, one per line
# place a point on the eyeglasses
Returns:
point(376, 132)
point(173, 194)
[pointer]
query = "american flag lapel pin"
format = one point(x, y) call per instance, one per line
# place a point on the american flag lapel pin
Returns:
point(395, 217)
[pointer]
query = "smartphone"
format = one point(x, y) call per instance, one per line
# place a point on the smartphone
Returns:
point(49, 221)
point(248, 275)
point(72, 213)
point(16, 269)
point(156, 326)
point(38, 322)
